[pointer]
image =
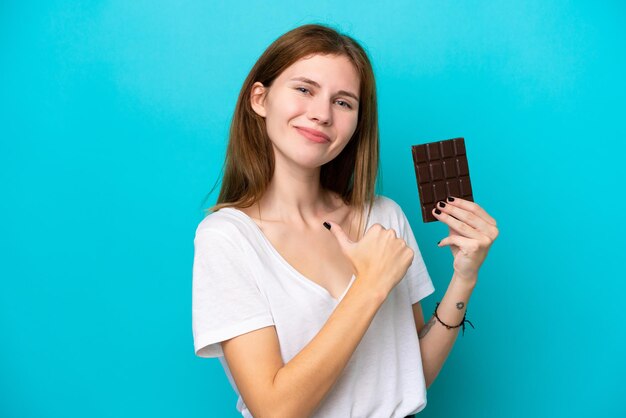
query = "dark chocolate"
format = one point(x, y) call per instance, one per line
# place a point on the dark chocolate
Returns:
point(441, 170)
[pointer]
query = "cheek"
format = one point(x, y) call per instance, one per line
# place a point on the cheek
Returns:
point(281, 117)
point(285, 105)
point(350, 126)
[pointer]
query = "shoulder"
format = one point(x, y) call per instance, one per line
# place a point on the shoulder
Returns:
point(386, 207)
point(386, 204)
point(388, 213)
point(225, 223)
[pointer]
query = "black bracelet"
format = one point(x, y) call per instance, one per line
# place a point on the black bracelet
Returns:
point(450, 326)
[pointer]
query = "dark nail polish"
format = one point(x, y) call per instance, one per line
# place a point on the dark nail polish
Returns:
point(450, 199)
point(437, 211)
point(442, 205)
point(327, 225)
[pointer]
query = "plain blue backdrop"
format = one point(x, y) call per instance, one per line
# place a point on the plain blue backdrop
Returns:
point(113, 125)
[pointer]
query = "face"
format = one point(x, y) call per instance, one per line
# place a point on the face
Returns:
point(315, 93)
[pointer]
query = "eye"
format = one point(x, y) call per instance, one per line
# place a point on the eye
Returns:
point(347, 105)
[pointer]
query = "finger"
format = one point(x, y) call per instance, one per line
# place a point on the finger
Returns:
point(471, 207)
point(344, 241)
point(459, 241)
point(470, 218)
point(459, 226)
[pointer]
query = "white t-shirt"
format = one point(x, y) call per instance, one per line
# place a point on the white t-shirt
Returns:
point(241, 283)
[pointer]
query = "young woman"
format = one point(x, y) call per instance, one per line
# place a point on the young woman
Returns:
point(306, 285)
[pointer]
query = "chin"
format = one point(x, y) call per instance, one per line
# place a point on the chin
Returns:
point(302, 157)
point(310, 162)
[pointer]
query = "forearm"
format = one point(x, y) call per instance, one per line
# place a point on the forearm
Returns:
point(436, 340)
point(301, 384)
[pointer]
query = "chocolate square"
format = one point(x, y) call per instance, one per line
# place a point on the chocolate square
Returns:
point(441, 170)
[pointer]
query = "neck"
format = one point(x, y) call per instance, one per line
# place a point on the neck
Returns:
point(295, 196)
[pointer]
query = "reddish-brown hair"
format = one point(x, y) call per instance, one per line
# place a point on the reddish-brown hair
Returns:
point(249, 163)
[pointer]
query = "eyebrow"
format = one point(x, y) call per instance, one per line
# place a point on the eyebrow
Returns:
point(314, 83)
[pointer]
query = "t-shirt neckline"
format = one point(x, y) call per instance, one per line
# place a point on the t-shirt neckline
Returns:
point(319, 288)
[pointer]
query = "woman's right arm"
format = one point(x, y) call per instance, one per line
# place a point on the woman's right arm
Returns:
point(270, 388)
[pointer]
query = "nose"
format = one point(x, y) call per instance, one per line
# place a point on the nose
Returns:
point(320, 110)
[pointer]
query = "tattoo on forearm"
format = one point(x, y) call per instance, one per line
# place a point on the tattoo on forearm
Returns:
point(427, 327)
point(433, 320)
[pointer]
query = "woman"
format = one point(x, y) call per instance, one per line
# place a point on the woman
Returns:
point(306, 285)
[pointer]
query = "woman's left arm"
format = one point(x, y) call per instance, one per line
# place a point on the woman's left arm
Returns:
point(472, 231)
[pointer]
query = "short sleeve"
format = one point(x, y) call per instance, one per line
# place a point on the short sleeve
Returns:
point(417, 277)
point(226, 301)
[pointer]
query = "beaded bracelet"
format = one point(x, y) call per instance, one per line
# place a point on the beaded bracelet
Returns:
point(456, 326)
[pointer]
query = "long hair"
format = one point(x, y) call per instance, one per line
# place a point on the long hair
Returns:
point(249, 163)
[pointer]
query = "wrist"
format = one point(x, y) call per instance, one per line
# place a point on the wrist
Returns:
point(467, 282)
point(375, 295)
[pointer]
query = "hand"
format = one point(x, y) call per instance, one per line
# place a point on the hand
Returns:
point(380, 259)
point(472, 231)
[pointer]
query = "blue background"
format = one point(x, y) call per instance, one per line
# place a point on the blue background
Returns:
point(113, 123)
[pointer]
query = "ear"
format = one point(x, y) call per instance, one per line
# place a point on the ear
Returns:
point(257, 98)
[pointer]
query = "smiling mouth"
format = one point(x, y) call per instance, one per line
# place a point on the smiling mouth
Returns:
point(312, 137)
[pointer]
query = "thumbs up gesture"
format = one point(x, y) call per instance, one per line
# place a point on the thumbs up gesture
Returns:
point(380, 259)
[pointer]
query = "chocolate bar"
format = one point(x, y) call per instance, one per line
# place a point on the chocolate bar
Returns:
point(441, 170)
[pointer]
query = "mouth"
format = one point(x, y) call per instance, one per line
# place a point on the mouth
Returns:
point(313, 135)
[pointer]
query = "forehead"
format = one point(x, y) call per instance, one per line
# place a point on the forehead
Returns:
point(330, 71)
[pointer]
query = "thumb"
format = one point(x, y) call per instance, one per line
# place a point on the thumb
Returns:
point(457, 240)
point(344, 241)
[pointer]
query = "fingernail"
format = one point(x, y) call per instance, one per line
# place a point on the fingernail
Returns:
point(327, 225)
point(450, 199)
point(442, 205)
point(437, 211)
